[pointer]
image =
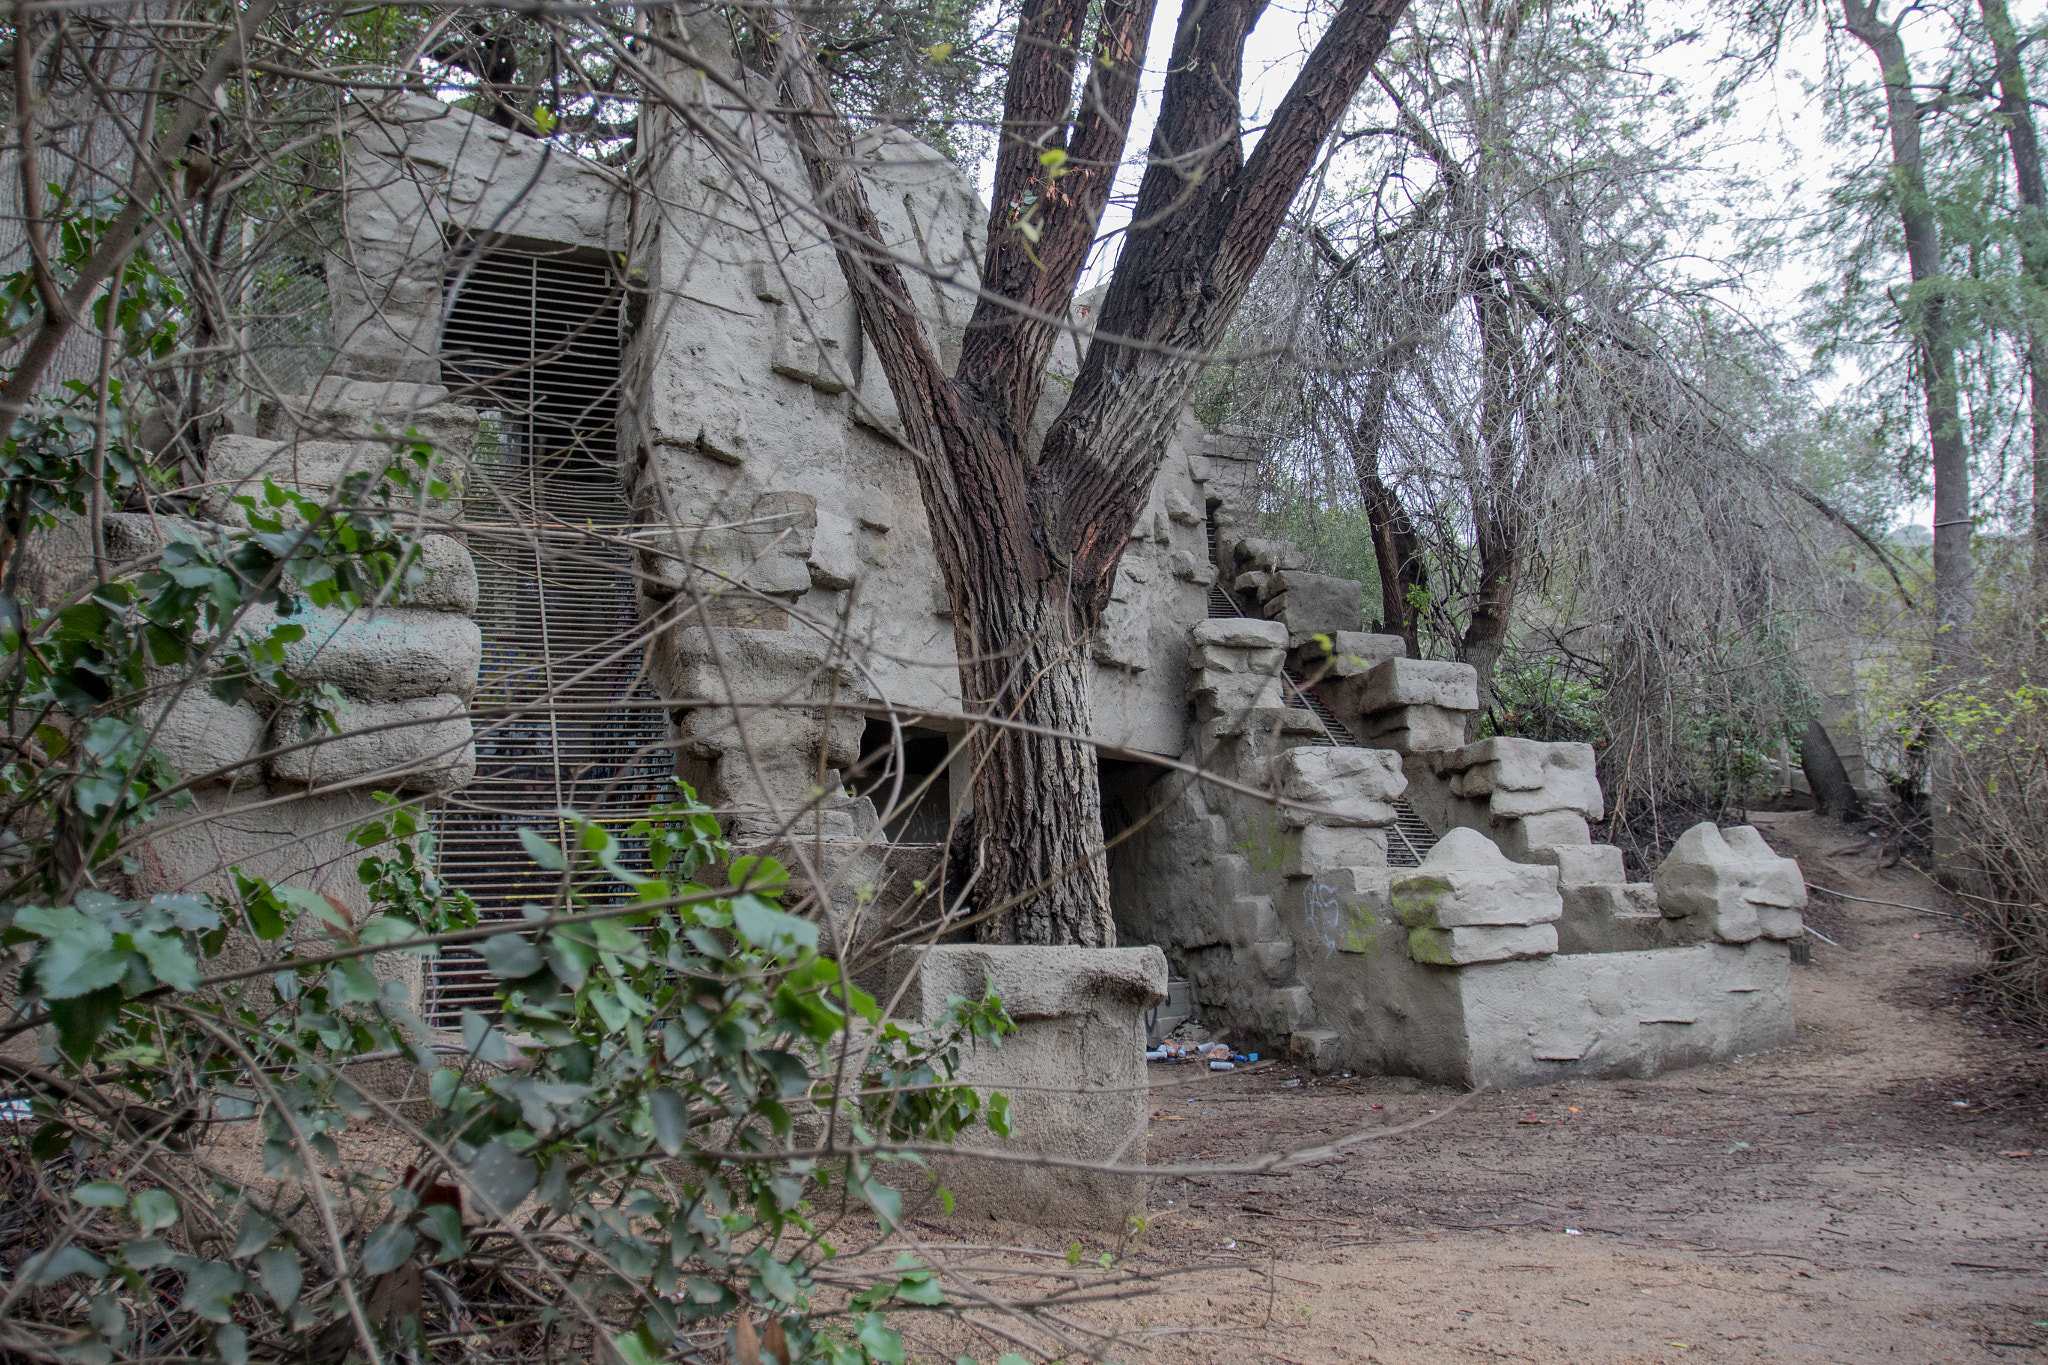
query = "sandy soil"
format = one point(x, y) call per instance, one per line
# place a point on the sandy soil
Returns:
point(1877, 1192)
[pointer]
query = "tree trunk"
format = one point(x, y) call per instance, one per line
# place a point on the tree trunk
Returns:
point(1496, 514)
point(1954, 587)
point(2017, 110)
point(1396, 549)
point(1030, 550)
point(1054, 877)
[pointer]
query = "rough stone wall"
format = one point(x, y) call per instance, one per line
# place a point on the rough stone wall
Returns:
point(269, 795)
point(419, 178)
point(795, 561)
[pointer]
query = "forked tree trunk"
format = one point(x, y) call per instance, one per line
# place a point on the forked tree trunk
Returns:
point(1030, 549)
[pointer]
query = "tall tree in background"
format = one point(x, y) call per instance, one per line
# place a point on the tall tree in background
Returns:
point(2016, 112)
point(1931, 324)
point(1030, 547)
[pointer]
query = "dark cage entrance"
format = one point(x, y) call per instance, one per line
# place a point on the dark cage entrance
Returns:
point(563, 713)
point(924, 806)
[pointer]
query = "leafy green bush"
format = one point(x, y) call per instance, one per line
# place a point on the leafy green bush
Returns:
point(673, 1079)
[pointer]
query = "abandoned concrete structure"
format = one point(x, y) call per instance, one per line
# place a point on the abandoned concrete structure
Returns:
point(670, 355)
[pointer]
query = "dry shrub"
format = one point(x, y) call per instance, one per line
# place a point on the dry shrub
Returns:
point(1996, 795)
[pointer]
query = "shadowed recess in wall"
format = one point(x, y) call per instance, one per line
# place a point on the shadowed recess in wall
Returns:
point(563, 713)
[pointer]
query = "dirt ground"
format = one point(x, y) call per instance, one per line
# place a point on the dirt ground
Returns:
point(1876, 1192)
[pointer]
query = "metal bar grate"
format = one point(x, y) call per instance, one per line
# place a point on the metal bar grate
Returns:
point(563, 713)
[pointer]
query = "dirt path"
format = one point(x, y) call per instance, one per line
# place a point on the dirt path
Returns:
point(1847, 1199)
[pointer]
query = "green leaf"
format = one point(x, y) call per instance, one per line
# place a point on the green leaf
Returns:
point(999, 1113)
point(388, 1248)
point(777, 931)
point(500, 1178)
point(231, 1342)
point(924, 1289)
point(777, 1280)
point(510, 956)
point(384, 929)
point(168, 960)
point(443, 1223)
point(882, 1341)
point(210, 1288)
point(671, 1117)
point(52, 1266)
point(153, 1209)
point(255, 1234)
point(80, 1022)
point(632, 1350)
point(101, 1194)
point(78, 961)
point(442, 1085)
point(281, 1276)
point(266, 915)
point(758, 874)
point(147, 1254)
point(543, 852)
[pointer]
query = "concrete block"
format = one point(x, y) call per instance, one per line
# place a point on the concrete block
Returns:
point(1074, 1073)
point(198, 733)
point(834, 560)
point(1269, 554)
point(1351, 653)
point(451, 577)
point(1466, 881)
point(1726, 886)
point(1238, 632)
point(1275, 960)
point(1315, 604)
point(1558, 828)
point(1527, 777)
point(1399, 682)
point(1415, 729)
point(1463, 946)
point(1318, 848)
point(1318, 1049)
point(1581, 864)
point(422, 745)
point(1349, 785)
point(391, 655)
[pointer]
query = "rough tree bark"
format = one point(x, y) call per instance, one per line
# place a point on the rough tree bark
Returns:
point(1030, 549)
point(2017, 110)
point(1954, 596)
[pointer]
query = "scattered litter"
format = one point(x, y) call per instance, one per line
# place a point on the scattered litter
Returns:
point(1960, 1104)
point(1223, 1066)
point(16, 1110)
point(1174, 1050)
point(1230, 1245)
point(1289, 1085)
point(1379, 1106)
point(1573, 1232)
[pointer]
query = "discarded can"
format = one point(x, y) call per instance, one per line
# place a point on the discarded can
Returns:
point(1223, 1066)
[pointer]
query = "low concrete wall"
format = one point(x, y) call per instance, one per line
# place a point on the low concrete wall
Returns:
point(1620, 1014)
point(1074, 1073)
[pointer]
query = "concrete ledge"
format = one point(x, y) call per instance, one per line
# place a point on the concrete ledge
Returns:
point(1620, 1014)
point(1074, 1073)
